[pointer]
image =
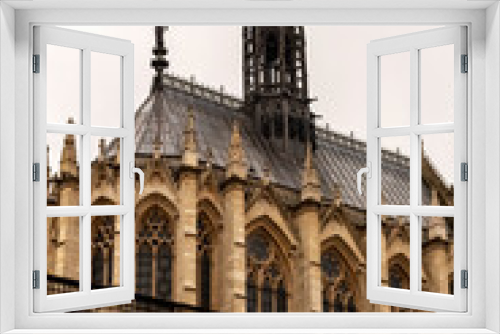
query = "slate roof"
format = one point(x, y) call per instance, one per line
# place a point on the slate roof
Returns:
point(337, 157)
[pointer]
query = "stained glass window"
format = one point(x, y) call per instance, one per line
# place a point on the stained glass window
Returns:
point(266, 282)
point(251, 295)
point(204, 235)
point(282, 298)
point(103, 251)
point(266, 299)
point(144, 273)
point(154, 255)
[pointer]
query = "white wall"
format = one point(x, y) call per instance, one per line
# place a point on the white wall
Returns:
point(7, 125)
point(492, 164)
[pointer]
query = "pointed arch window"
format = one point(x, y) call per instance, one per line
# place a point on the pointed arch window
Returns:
point(144, 274)
point(251, 294)
point(104, 233)
point(204, 244)
point(154, 247)
point(337, 289)
point(266, 275)
point(282, 298)
point(267, 298)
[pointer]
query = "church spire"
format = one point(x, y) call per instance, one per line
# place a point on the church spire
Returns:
point(159, 63)
point(236, 155)
point(311, 190)
point(276, 85)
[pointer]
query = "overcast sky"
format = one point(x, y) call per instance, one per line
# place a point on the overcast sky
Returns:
point(336, 66)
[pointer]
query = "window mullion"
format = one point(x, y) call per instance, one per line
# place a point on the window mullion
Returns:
point(414, 170)
point(85, 170)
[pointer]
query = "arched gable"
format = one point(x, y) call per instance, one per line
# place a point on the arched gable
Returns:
point(104, 200)
point(211, 207)
point(107, 192)
point(338, 235)
point(285, 244)
point(155, 200)
point(263, 209)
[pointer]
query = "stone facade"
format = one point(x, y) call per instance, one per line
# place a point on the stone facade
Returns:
point(221, 237)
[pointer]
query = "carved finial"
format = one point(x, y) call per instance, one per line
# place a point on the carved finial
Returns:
point(266, 178)
point(337, 195)
point(310, 181)
point(102, 147)
point(159, 62)
point(209, 158)
point(434, 198)
point(157, 148)
point(190, 155)
point(236, 155)
point(68, 164)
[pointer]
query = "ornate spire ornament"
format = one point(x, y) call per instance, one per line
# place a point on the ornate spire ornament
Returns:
point(102, 147)
point(266, 177)
point(337, 195)
point(68, 164)
point(159, 63)
point(236, 155)
point(310, 182)
point(190, 154)
point(209, 158)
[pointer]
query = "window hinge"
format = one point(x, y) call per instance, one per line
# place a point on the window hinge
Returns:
point(36, 63)
point(464, 172)
point(36, 172)
point(464, 279)
point(36, 279)
point(465, 64)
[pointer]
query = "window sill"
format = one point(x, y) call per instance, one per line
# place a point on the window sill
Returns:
point(250, 331)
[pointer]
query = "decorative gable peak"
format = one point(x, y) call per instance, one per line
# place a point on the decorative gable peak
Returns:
point(236, 166)
point(190, 154)
point(311, 190)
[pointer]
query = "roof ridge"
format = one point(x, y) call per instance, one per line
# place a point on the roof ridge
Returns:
point(334, 137)
point(211, 94)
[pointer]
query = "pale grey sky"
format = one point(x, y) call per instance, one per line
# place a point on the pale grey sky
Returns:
point(336, 66)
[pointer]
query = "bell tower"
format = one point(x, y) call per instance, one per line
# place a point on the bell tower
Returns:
point(275, 84)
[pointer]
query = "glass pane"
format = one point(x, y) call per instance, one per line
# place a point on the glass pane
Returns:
point(63, 84)
point(63, 169)
point(437, 84)
point(437, 169)
point(63, 255)
point(395, 90)
point(105, 155)
point(395, 170)
point(395, 252)
point(105, 252)
point(105, 91)
point(437, 254)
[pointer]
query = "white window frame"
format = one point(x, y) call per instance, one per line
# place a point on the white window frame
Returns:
point(414, 296)
point(85, 298)
point(484, 50)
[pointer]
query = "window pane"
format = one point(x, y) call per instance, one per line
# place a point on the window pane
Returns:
point(105, 155)
point(437, 84)
point(63, 84)
point(437, 252)
point(63, 255)
point(395, 170)
point(105, 252)
point(437, 169)
point(63, 169)
point(395, 252)
point(105, 90)
point(395, 90)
